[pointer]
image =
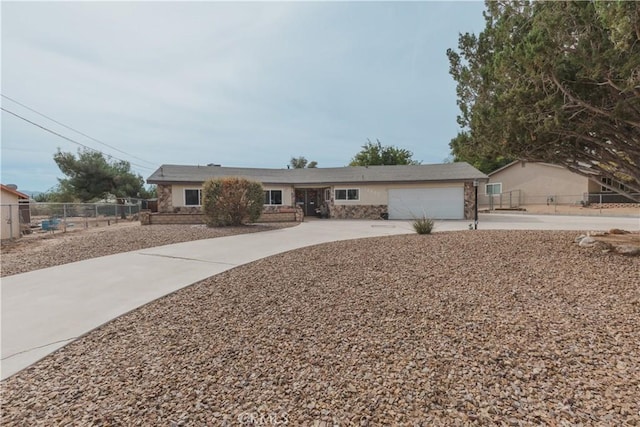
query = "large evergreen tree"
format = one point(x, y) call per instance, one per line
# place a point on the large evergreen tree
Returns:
point(553, 81)
point(90, 176)
point(301, 163)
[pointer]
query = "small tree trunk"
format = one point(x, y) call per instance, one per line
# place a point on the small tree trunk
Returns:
point(120, 202)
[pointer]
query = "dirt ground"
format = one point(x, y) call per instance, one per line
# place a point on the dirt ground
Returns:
point(39, 238)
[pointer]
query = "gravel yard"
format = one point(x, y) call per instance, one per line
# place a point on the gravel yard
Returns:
point(457, 328)
point(36, 252)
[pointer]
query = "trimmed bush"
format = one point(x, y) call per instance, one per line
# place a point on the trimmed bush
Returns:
point(231, 201)
point(423, 225)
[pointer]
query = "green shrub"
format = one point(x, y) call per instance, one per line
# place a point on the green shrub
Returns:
point(231, 201)
point(423, 225)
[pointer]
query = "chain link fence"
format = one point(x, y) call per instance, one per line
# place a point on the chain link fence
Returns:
point(51, 217)
point(606, 198)
point(518, 199)
point(508, 200)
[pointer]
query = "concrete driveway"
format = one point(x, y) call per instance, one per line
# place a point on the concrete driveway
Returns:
point(46, 309)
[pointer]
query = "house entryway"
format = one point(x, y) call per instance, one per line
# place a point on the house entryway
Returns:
point(309, 199)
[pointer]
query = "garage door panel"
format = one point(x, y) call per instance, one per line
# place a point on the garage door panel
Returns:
point(436, 203)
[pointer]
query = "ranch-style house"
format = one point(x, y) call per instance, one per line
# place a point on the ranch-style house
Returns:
point(439, 191)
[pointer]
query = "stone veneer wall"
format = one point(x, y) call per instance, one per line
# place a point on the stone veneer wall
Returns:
point(356, 211)
point(469, 200)
point(145, 217)
point(281, 214)
point(175, 218)
point(165, 202)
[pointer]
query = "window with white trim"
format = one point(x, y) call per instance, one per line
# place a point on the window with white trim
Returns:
point(495, 188)
point(192, 197)
point(273, 197)
point(347, 194)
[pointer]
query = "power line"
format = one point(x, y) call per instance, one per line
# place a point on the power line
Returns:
point(71, 140)
point(75, 130)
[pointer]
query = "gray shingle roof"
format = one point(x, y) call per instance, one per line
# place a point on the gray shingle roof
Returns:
point(168, 174)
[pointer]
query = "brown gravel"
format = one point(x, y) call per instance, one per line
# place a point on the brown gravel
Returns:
point(36, 252)
point(460, 328)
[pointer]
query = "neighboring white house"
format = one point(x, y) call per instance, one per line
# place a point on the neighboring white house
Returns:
point(443, 191)
point(10, 211)
point(533, 183)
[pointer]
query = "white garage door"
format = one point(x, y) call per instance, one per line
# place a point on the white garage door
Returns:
point(436, 203)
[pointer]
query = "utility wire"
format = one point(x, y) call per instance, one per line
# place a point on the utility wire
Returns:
point(71, 140)
point(76, 131)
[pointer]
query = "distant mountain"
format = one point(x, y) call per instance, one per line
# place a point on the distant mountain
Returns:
point(31, 194)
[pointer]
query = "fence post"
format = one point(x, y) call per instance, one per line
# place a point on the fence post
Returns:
point(600, 202)
point(64, 217)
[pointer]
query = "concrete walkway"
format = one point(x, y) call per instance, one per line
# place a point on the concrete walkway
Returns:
point(46, 309)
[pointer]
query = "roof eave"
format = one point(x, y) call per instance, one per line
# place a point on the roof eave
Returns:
point(329, 183)
point(15, 192)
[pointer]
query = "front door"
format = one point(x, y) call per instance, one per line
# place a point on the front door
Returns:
point(308, 199)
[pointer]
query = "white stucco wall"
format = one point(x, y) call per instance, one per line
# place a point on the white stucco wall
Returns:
point(178, 193)
point(378, 194)
point(287, 193)
point(370, 194)
point(537, 182)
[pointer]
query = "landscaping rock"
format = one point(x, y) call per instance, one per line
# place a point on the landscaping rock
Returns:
point(457, 329)
point(587, 242)
point(603, 246)
point(616, 241)
point(629, 250)
point(618, 231)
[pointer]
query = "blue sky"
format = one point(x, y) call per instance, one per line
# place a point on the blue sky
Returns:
point(239, 84)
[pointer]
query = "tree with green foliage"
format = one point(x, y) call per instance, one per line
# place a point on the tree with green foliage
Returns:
point(90, 176)
point(485, 161)
point(150, 192)
point(301, 163)
point(231, 201)
point(555, 82)
point(377, 154)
